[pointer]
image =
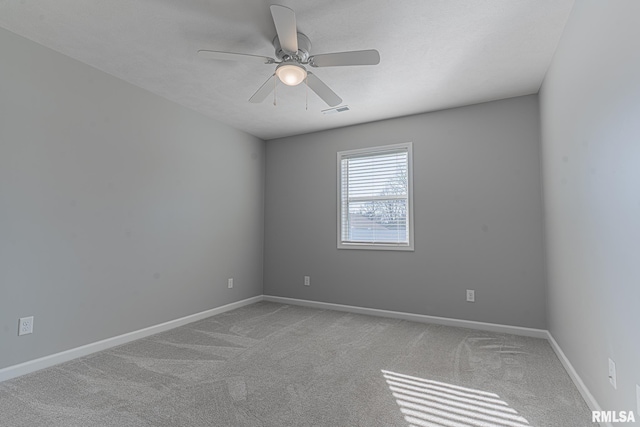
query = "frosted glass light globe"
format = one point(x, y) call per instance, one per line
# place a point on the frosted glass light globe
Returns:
point(291, 74)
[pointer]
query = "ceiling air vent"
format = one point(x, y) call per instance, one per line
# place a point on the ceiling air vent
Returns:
point(340, 109)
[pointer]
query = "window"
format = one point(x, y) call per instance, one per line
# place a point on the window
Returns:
point(375, 206)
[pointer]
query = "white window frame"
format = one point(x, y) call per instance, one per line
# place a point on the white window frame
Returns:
point(385, 246)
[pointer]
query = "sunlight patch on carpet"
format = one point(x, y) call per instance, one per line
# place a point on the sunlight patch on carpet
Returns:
point(428, 403)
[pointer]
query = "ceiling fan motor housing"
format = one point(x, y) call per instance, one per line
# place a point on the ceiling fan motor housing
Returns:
point(304, 47)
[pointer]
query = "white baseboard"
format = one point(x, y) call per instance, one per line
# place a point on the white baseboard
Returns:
point(582, 388)
point(64, 356)
point(422, 318)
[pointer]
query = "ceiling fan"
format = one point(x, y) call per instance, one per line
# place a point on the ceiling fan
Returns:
point(293, 53)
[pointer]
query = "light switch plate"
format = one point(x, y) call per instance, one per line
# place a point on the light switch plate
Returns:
point(612, 374)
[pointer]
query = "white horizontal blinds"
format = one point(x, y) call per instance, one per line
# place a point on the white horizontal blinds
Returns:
point(375, 192)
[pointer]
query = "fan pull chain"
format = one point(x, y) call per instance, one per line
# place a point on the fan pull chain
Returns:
point(306, 94)
point(275, 84)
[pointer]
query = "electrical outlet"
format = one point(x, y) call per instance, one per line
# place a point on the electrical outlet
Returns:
point(471, 295)
point(612, 373)
point(307, 281)
point(230, 283)
point(25, 325)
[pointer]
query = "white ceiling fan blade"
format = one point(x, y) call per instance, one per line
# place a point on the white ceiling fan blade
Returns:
point(285, 21)
point(264, 90)
point(322, 90)
point(338, 59)
point(231, 56)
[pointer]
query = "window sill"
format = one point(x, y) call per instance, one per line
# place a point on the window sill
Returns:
point(375, 247)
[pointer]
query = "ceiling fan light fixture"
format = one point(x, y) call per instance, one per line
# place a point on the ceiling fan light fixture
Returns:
point(291, 74)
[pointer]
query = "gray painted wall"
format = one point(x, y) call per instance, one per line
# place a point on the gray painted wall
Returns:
point(590, 109)
point(118, 209)
point(478, 217)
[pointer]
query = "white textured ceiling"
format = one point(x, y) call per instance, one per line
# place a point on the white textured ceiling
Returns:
point(434, 54)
